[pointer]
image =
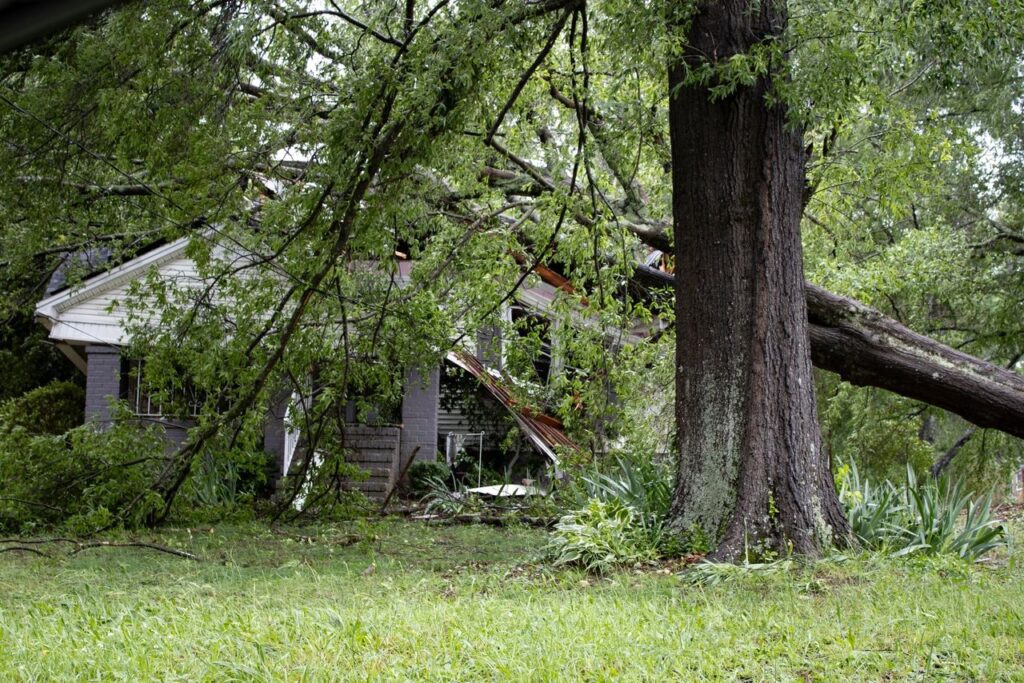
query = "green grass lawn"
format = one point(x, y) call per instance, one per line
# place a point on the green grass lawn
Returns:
point(417, 602)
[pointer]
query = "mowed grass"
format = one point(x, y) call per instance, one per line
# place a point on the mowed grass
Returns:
point(465, 603)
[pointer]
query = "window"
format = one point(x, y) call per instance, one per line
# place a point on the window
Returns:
point(183, 403)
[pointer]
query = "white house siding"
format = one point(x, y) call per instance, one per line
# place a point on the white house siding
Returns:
point(96, 312)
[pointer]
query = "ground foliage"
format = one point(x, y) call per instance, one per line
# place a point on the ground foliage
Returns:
point(927, 517)
point(299, 148)
point(421, 602)
point(78, 481)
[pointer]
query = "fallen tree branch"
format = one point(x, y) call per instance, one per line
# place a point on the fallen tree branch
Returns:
point(39, 541)
point(398, 481)
point(32, 503)
point(134, 544)
point(866, 348)
point(855, 341)
point(23, 549)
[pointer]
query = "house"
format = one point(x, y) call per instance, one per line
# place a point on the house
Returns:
point(88, 323)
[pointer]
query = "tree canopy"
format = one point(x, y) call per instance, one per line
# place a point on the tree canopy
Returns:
point(300, 146)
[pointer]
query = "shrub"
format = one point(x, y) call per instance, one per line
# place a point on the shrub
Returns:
point(931, 518)
point(870, 509)
point(51, 409)
point(421, 474)
point(78, 480)
point(602, 535)
point(223, 485)
point(644, 486)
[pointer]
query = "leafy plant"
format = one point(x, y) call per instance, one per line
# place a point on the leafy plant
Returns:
point(420, 476)
point(51, 409)
point(933, 520)
point(714, 573)
point(934, 517)
point(442, 500)
point(643, 486)
point(871, 510)
point(80, 479)
point(223, 484)
point(602, 535)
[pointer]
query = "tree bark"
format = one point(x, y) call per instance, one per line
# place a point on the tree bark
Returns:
point(942, 463)
point(752, 470)
point(865, 347)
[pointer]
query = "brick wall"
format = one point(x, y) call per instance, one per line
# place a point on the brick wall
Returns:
point(102, 381)
point(419, 415)
point(375, 449)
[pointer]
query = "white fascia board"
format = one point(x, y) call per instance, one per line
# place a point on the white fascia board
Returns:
point(100, 334)
point(51, 307)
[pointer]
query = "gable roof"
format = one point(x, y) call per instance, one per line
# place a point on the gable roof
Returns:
point(86, 314)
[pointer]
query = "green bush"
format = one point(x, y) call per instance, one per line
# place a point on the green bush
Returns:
point(644, 486)
point(51, 409)
point(77, 480)
point(603, 535)
point(445, 501)
point(224, 485)
point(930, 518)
point(422, 475)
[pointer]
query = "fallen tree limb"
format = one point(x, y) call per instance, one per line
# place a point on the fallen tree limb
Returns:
point(25, 543)
point(866, 348)
point(135, 544)
point(23, 549)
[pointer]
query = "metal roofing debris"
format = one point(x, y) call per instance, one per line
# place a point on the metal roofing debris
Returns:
point(543, 431)
point(506, 491)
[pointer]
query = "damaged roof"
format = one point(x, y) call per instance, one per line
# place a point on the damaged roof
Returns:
point(544, 432)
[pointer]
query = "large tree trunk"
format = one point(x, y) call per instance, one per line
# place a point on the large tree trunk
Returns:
point(752, 470)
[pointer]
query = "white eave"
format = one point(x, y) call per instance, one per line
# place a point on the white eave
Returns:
point(55, 313)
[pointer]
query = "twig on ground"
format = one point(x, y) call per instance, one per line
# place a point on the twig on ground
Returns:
point(134, 544)
point(23, 549)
